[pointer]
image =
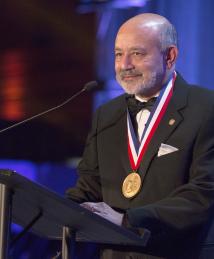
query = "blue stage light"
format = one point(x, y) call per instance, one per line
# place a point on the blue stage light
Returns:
point(84, 6)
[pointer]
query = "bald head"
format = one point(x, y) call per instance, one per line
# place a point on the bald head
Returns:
point(156, 25)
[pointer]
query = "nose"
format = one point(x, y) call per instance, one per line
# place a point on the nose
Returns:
point(126, 63)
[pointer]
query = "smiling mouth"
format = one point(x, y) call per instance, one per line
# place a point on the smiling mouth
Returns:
point(130, 77)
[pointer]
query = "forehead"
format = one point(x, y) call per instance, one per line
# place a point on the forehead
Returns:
point(143, 37)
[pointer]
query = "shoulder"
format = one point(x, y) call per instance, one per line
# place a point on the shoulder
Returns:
point(196, 95)
point(114, 106)
point(201, 92)
point(201, 99)
point(111, 112)
point(114, 103)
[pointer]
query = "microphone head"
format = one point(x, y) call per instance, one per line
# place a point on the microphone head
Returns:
point(90, 86)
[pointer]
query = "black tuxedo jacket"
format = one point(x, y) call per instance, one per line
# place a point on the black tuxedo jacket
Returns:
point(177, 195)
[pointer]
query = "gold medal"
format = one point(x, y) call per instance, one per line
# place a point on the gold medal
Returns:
point(131, 185)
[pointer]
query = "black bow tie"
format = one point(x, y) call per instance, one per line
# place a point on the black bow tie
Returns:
point(135, 106)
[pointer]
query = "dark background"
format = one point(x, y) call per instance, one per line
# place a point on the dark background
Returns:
point(46, 55)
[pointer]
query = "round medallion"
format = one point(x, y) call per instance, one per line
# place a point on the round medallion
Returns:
point(131, 185)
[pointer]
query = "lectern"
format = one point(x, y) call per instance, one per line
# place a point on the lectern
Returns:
point(50, 215)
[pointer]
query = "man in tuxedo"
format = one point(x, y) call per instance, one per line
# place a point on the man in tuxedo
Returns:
point(149, 158)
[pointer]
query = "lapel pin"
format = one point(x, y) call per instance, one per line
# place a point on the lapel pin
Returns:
point(171, 122)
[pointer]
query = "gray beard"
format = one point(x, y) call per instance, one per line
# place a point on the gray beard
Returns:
point(140, 88)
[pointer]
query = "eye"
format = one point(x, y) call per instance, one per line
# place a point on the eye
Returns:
point(137, 53)
point(118, 54)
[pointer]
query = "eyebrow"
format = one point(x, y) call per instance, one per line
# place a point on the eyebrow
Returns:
point(117, 49)
point(131, 49)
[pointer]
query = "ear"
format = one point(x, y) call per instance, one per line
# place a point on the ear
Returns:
point(171, 56)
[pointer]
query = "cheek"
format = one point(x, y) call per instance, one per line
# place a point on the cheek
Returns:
point(153, 62)
point(115, 64)
point(154, 66)
point(144, 64)
point(144, 67)
point(116, 67)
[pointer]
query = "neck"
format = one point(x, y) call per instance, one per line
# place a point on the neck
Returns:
point(145, 98)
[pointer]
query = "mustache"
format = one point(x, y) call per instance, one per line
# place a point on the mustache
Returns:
point(124, 73)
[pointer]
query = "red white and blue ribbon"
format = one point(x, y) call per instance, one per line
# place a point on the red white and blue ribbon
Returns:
point(137, 150)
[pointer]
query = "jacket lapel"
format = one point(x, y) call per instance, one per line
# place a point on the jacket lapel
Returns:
point(170, 121)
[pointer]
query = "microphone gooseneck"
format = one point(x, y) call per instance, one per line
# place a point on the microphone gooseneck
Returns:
point(87, 87)
point(90, 86)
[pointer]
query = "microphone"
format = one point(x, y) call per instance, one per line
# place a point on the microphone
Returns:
point(87, 87)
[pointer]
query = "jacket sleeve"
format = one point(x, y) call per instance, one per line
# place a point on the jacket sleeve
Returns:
point(88, 185)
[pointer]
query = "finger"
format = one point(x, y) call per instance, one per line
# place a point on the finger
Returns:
point(86, 206)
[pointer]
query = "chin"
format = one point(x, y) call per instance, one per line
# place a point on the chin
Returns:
point(134, 90)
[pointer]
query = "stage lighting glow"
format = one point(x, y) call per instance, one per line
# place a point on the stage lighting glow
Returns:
point(85, 6)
